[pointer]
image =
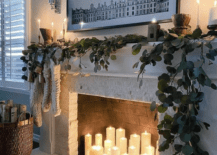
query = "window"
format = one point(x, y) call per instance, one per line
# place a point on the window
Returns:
point(13, 32)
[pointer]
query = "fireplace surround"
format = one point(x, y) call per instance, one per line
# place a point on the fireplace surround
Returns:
point(62, 135)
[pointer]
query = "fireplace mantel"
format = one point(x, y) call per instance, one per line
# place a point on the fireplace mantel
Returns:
point(120, 82)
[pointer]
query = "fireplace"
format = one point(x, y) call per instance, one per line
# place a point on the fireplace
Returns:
point(89, 104)
point(95, 114)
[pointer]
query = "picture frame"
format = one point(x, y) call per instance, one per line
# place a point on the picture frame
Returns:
point(118, 13)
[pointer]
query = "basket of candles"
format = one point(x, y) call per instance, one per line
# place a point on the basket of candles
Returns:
point(16, 129)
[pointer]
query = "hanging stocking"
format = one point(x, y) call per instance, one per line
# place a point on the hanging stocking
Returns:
point(36, 102)
point(55, 76)
point(46, 104)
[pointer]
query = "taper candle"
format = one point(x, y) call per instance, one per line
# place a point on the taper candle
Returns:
point(198, 13)
point(213, 15)
point(52, 24)
point(119, 134)
point(149, 150)
point(132, 150)
point(115, 151)
point(39, 26)
point(146, 141)
point(110, 134)
point(98, 139)
point(135, 141)
point(88, 143)
point(96, 150)
point(107, 146)
point(123, 145)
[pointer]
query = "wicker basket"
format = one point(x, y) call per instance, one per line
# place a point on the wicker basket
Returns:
point(17, 138)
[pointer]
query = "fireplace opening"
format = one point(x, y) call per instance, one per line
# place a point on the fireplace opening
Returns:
point(95, 114)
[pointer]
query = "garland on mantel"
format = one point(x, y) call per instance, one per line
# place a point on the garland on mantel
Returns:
point(183, 95)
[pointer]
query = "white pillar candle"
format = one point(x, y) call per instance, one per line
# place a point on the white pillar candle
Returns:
point(110, 134)
point(213, 15)
point(115, 151)
point(98, 139)
point(107, 146)
point(88, 143)
point(149, 150)
point(146, 141)
point(157, 147)
point(198, 13)
point(119, 134)
point(123, 145)
point(96, 150)
point(135, 141)
point(132, 150)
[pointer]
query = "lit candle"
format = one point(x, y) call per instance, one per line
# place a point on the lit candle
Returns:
point(198, 13)
point(135, 141)
point(39, 26)
point(119, 134)
point(107, 146)
point(132, 150)
point(52, 24)
point(96, 150)
point(61, 34)
point(88, 143)
point(82, 24)
point(64, 28)
point(115, 151)
point(146, 141)
point(149, 150)
point(98, 139)
point(213, 15)
point(110, 134)
point(123, 145)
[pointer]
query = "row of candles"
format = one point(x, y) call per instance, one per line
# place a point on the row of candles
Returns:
point(52, 30)
point(116, 144)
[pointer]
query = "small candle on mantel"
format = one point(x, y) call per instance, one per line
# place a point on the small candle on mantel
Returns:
point(123, 145)
point(107, 146)
point(110, 134)
point(96, 150)
point(119, 134)
point(88, 143)
point(198, 13)
point(153, 30)
point(135, 141)
point(115, 151)
point(98, 139)
point(149, 150)
point(52, 24)
point(146, 141)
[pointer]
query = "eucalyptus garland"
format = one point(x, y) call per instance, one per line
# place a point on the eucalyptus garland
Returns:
point(184, 95)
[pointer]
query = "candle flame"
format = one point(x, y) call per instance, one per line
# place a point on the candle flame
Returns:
point(154, 20)
point(198, 1)
point(81, 23)
point(39, 20)
point(96, 147)
point(52, 24)
point(215, 3)
point(115, 148)
point(65, 20)
point(88, 133)
point(132, 147)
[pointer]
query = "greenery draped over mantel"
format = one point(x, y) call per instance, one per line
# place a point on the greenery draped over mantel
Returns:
point(184, 94)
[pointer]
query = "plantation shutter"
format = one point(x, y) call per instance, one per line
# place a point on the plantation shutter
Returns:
point(12, 41)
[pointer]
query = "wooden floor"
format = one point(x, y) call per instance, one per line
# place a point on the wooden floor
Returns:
point(35, 145)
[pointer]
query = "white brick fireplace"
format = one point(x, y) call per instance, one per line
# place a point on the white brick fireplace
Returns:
point(60, 135)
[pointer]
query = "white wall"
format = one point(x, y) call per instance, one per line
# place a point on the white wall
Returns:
point(41, 9)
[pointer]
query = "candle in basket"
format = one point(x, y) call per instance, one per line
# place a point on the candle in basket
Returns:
point(115, 151)
point(146, 141)
point(107, 146)
point(135, 141)
point(98, 139)
point(149, 150)
point(123, 145)
point(23, 109)
point(13, 114)
point(110, 134)
point(119, 134)
point(96, 150)
point(88, 143)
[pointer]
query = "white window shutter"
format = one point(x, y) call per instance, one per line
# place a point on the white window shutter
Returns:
point(12, 41)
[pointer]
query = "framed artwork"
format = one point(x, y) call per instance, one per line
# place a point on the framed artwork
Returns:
point(100, 14)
